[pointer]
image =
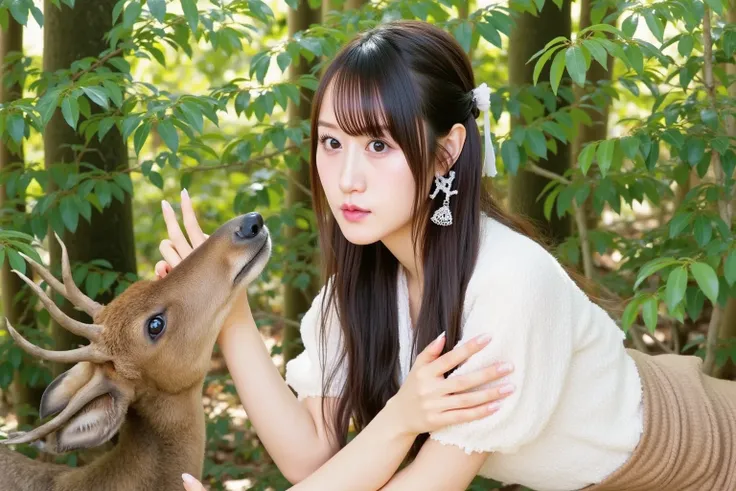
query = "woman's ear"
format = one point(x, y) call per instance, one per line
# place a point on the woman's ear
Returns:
point(453, 145)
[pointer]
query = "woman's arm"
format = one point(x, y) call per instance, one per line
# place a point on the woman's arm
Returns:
point(294, 437)
point(438, 467)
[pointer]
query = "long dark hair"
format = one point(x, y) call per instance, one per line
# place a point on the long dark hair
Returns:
point(416, 79)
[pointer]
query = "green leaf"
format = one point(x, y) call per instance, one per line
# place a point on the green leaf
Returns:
point(156, 179)
point(695, 149)
point(729, 43)
point(629, 315)
point(131, 14)
point(141, 134)
point(702, 230)
point(716, 5)
point(575, 61)
point(510, 155)
point(649, 313)
point(158, 9)
point(585, 158)
point(16, 260)
point(652, 267)
point(709, 118)
point(490, 33)
point(629, 25)
point(685, 45)
point(92, 284)
point(16, 125)
point(633, 53)
point(605, 155)
point(104, 193)
point(168, 134)
point(97, 96)
point(189, 7)
point(541, 62)
point(556, 70)
point(283, 60)
point(597, 51)
point(537, 142)
point(655, 25)
point(69, 213)
point(464, 35)
point(706, 279)
point(70, 110)
point(676, 286)
point(678, 223)
point(730, 268)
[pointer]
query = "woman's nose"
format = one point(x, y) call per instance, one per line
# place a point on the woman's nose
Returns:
point(352, 178)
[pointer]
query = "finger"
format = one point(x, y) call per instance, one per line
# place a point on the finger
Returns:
point(175, 234)
point(191, 484)
point(467, 381)
point(431, 352)
point(162, 268)
point(466, 415)
point(169, 253)
point(460, 353)
point(475, 398)
point(194, 231)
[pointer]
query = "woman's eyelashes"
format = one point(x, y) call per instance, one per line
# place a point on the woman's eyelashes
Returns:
point(330, 143)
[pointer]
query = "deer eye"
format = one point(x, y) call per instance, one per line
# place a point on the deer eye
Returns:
point(155, 327)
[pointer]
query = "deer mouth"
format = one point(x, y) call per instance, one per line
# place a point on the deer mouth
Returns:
point(252, 262)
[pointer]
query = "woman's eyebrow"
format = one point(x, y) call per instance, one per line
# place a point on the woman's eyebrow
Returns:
point(329, 125)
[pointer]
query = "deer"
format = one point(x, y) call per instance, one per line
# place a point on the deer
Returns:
point(141, 375)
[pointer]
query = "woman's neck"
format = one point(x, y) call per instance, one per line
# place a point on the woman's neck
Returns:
point(401, 246)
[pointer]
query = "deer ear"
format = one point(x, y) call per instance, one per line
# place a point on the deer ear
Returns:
point(96, 423)
point(58, 394)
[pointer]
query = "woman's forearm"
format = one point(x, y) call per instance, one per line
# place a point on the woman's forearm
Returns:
point(283, 424)
point(368, 462)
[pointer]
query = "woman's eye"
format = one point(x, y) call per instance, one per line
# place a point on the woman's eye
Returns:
point(330, 143)
point(378, 146)
point(155, 327)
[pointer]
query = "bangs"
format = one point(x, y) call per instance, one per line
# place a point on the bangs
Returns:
point(372, 94)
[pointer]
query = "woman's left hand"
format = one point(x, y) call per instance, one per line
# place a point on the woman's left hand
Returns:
point(191, 484)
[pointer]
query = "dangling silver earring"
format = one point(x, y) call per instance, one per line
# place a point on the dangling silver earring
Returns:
point(442, 216)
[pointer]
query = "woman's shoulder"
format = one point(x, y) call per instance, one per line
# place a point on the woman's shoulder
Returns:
point(508, 258)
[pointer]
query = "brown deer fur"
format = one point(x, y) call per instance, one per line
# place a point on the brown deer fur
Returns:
point(147, 391)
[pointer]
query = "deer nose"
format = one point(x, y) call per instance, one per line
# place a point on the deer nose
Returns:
point(251, 225)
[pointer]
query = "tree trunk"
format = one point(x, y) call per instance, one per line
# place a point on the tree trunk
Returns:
point(297, 301)
point(109, 235)
point(18, 312)
point(727, 329)
point(599, 129)
point(529, 35)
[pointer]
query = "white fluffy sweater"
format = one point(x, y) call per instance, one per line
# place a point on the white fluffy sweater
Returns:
point(576, 413)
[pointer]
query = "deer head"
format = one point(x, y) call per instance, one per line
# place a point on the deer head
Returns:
point(155, 338)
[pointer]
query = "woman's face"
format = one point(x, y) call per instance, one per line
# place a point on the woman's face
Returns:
point(367, 181)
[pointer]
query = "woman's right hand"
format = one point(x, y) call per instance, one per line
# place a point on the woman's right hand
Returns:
point(177, 247)
point(427, 401)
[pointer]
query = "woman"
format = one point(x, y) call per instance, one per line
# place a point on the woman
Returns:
point(419, 260)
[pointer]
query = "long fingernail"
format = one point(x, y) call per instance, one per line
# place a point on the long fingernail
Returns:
point(505, 367)
point(506, 389)
point(165, 204)
point(484, 339)
point(493, 406)
point(184, 193)
point(438, 338)
point(187, 478)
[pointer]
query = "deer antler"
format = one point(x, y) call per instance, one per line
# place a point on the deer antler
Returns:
point(85, 353)
point(68, 289)
point(89, 331)
point(92, 389)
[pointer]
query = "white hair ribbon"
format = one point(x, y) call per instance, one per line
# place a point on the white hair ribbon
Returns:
point(482, 98)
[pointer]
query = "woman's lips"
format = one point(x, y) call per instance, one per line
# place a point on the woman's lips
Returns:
point(354, 213)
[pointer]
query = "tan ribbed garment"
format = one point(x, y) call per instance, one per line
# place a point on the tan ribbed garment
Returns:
point(689, 438)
